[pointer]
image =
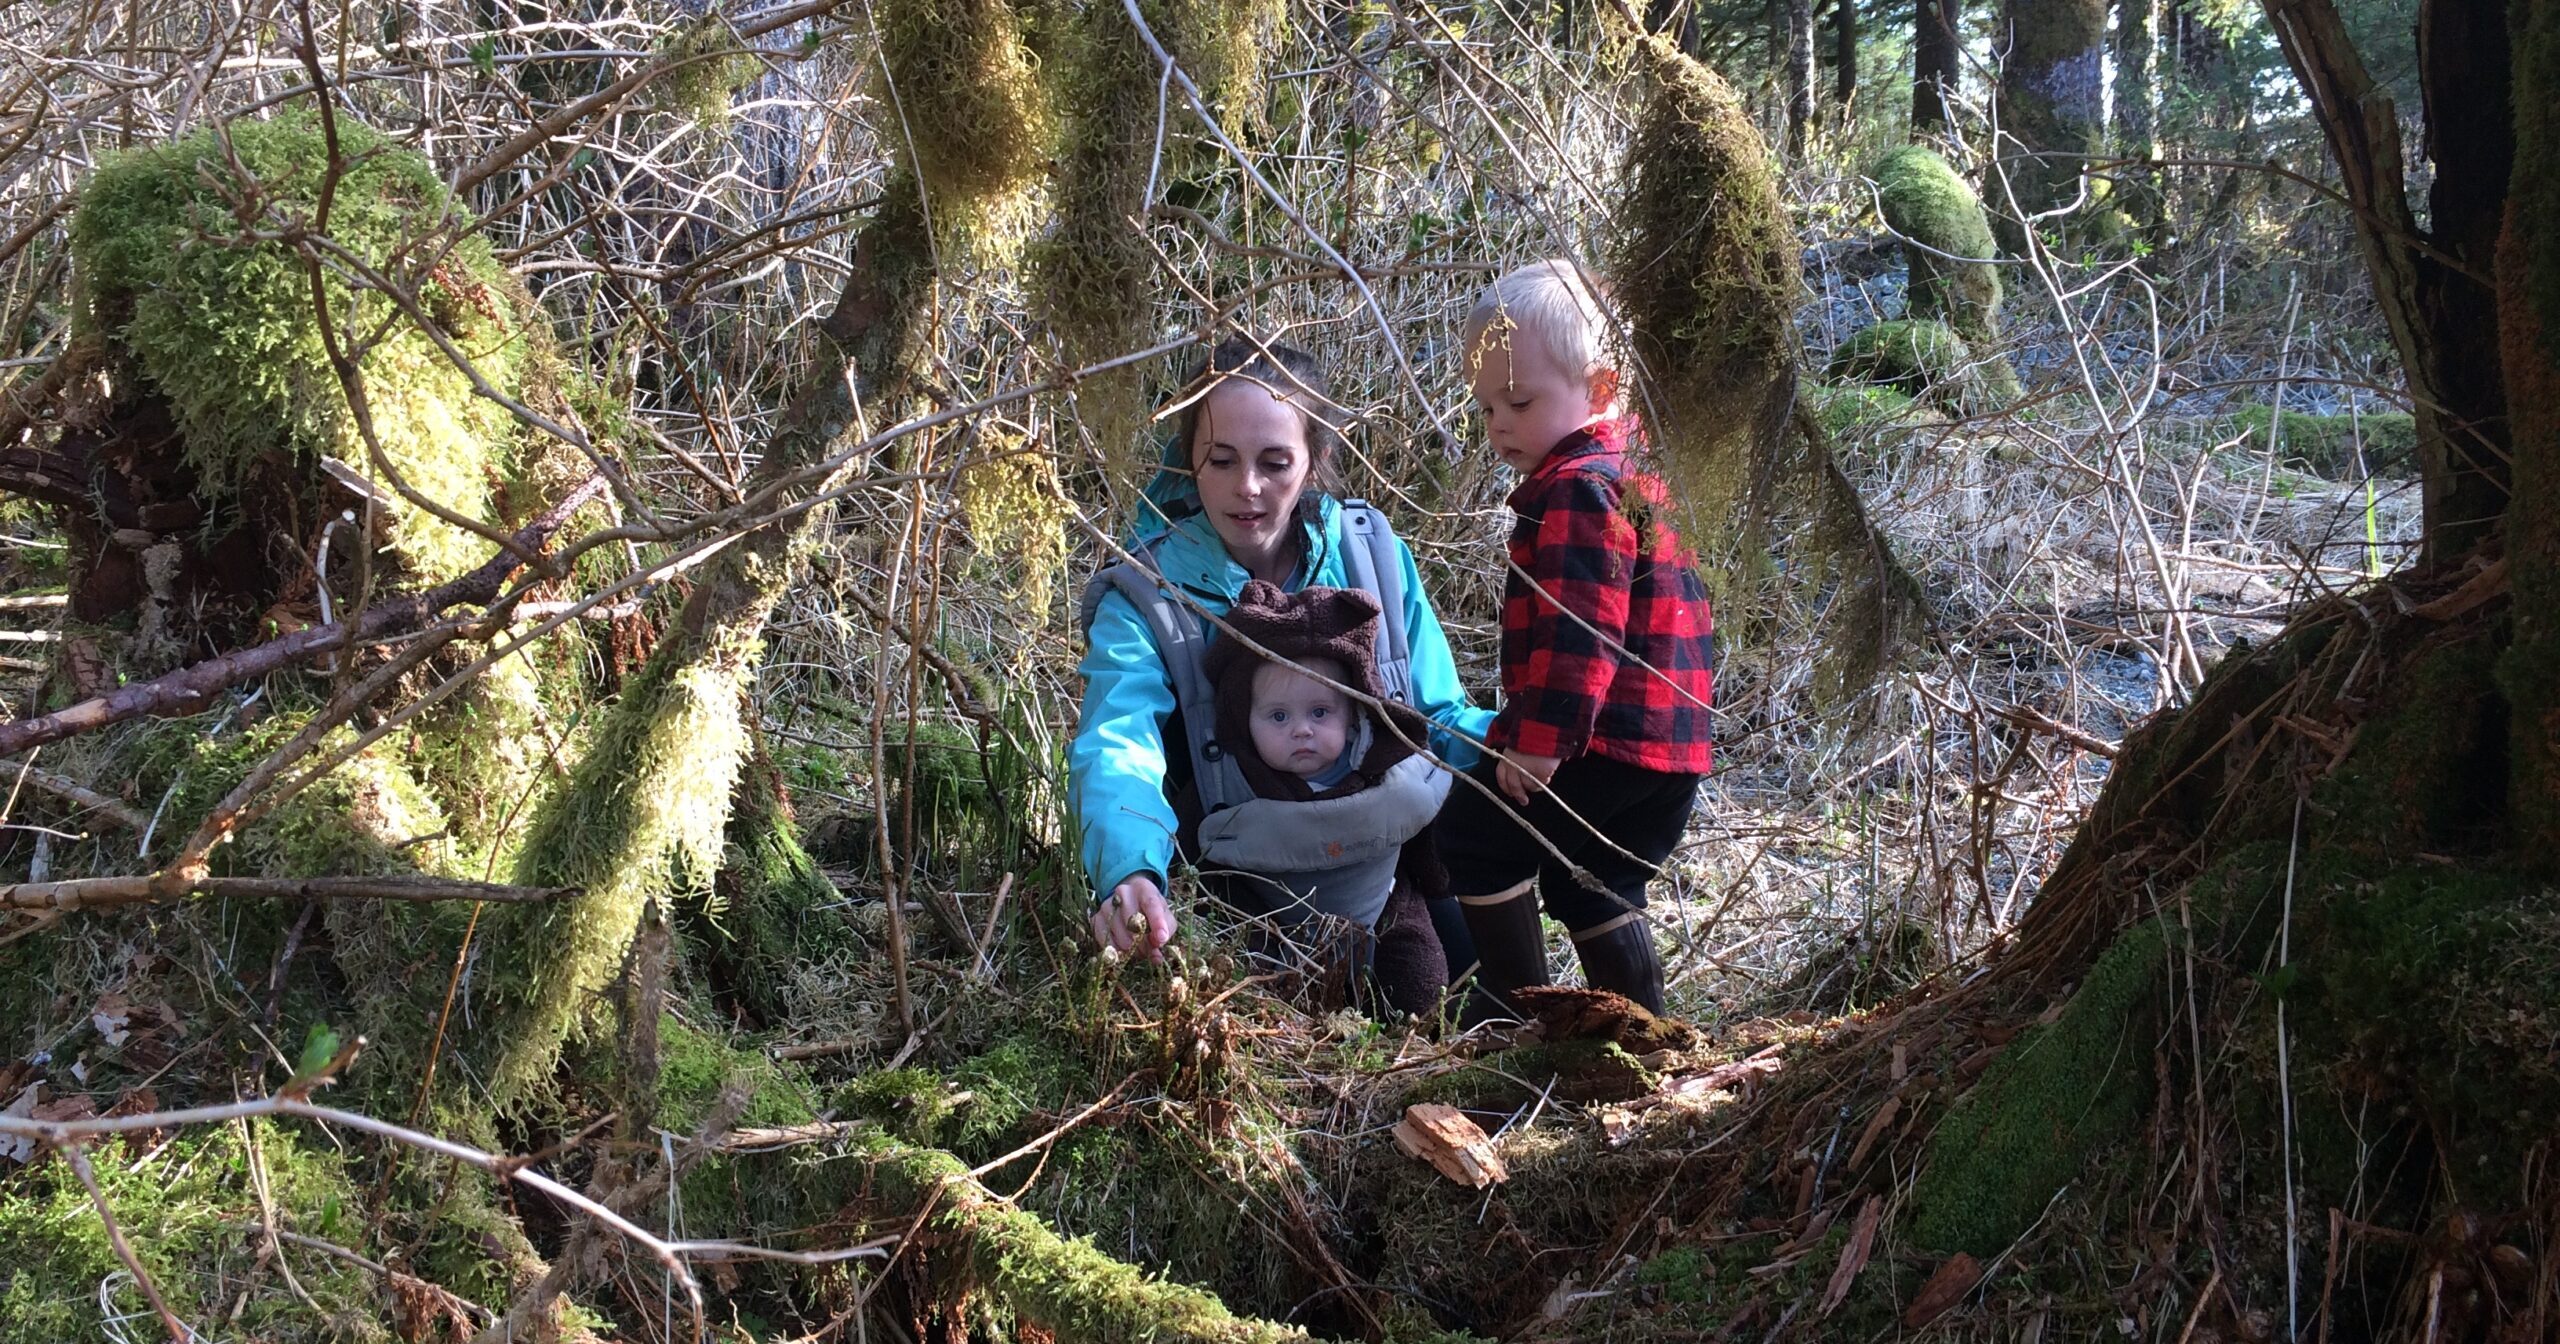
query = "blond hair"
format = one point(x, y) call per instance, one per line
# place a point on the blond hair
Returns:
point(1555, 304)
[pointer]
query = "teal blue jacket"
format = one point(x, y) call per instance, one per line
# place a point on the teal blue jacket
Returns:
point(1116, 764)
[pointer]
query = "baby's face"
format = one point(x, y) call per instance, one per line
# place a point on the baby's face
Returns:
point(1299, 722)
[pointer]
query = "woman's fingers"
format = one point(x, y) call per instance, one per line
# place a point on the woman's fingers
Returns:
point(1135, 919)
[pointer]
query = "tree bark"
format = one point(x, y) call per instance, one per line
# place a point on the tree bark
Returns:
point(1795, 18)
point(2529, 331)
point(1844, 52)
point(1936, 62)
point(2051, 105)
point(2139, 186)
point(2430, 286)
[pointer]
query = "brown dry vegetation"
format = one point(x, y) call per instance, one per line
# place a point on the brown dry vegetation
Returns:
point(810, 287)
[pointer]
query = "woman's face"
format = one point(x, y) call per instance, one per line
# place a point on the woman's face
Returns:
point(1250, 457)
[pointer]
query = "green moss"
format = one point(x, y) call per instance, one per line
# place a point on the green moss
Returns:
point(643, 815)
point(1065, 1286)
point(2054, 1098)
point(1925, 359)
point(224, 327)
point(707, 67)
point(1092, 277)
point(1569, 1070)
point(182, 1210)
point(1681, 1274)
point(1942, 222)
point(2413, 778)
point(2327, 444)
point(1862, 408)
point(770, 909)
point(2444, 981)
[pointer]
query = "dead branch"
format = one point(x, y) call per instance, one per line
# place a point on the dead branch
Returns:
point(178, 1331)
point(73, 791)
point(188, 689)
point(107, 893)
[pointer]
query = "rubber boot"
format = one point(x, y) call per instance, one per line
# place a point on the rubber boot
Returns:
point(1617, 955)
point(1511, 950)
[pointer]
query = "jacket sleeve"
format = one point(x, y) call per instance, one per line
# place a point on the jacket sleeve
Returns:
point(1456, 724)
point(1581, 565)
point(1116, 763)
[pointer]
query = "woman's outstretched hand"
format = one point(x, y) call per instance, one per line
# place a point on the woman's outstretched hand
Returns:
point(1135, 920)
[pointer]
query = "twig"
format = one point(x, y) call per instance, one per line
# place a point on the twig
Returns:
point(107, 893)
point(178, 1331)
point(73, 791)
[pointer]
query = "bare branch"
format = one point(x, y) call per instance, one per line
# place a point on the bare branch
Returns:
point(107, 893)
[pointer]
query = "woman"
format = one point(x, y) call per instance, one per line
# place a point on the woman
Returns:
point(1240, 499)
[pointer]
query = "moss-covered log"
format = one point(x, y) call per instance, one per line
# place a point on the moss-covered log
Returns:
point(1065, 1287)
point(207, 492)
point(1946, 240)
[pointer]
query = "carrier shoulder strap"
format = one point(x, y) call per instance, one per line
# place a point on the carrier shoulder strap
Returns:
point(1182, 640)
point(1370, 561)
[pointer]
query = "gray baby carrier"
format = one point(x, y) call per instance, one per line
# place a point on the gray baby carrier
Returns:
point(1334, 855)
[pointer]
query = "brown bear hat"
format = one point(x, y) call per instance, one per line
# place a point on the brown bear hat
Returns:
point(1340, 624)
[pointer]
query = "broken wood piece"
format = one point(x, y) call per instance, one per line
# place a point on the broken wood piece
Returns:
point(1456, 1146)
point(1853, 1257)
point(1943, 1291)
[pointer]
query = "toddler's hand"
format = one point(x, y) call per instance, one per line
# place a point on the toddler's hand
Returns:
point(1521, 775)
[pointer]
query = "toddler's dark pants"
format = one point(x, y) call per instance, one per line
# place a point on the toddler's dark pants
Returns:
point(1621, 807)
point(1617, 822)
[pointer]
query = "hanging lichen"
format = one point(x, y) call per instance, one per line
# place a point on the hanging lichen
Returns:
point(1018, 514)
point(1220, 44)
point(1705, 274)
point(968, 96)
point(222, 323)
point(706, 66)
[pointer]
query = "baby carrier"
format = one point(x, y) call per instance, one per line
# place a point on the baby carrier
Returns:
point(1336, 855)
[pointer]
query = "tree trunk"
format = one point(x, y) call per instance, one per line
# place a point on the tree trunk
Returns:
point(2051, 105)
point(1795, 18)
point(2430, 285)
point(2529, 330)
point(651, 797)
point(2463, 60)
point(1844, 52)
point(1936, 62)
point(2139, 186)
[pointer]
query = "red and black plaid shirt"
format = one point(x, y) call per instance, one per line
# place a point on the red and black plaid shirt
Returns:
point(1607, 643)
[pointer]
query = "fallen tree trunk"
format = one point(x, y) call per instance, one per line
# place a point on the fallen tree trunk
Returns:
point(1066, 1287)
point(188, 689)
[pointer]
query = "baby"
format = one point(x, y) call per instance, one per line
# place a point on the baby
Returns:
point(1301, 722)
point(1342, 807)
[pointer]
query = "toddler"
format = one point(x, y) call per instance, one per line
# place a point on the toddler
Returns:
point(1608, 656)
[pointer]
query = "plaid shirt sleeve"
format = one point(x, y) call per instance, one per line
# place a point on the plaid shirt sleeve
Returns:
point(1564, 624)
